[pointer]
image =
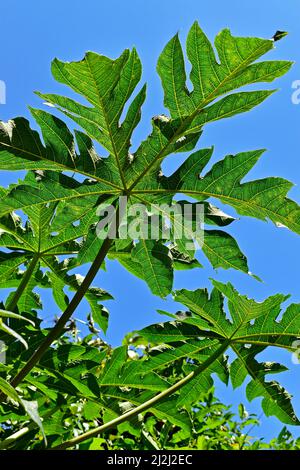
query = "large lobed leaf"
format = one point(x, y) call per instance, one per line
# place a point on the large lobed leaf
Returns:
point(108, 87)
point(206, 324)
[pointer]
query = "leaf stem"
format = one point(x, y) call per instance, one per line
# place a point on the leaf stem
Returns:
point(58, 329)
point(24, 281)
point(148, 404)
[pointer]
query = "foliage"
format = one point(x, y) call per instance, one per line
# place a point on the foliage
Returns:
point(211, 425)
point(49, 228)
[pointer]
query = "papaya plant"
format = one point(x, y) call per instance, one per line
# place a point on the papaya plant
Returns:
point(211, 425)
point(82, 189)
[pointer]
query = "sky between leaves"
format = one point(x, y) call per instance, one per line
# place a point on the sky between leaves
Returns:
point(33, 35)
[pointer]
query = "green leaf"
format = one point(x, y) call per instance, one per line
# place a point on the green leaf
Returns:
point(156, 264)
point(276, 400)
point(209, 78)
point(56, 234)
point(223, 251)
point(171, 68)
point(107, 85)
point(207, 319)
point(267, 329)
point(6, 314)
point(138, 174)
point(59, 279)
point(30, 407)
point(263, 199)
point(8, 390)
point(11, 332)
point(118, 373)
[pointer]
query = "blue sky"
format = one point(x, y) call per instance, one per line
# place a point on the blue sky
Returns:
point(35, 32)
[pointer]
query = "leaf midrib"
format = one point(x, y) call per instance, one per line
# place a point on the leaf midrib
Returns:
point(116, 154)
point(63, 167)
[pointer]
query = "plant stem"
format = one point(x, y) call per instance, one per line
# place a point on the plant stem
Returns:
point(60, 325)
point(148, 404)
point(24, 281)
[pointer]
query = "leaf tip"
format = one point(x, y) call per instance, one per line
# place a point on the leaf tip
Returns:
point(279, 35)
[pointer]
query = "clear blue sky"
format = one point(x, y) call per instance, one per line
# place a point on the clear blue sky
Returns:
point(34, 32)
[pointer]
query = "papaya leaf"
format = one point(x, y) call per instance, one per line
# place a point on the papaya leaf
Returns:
point(251, 323)
point(137, 174)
